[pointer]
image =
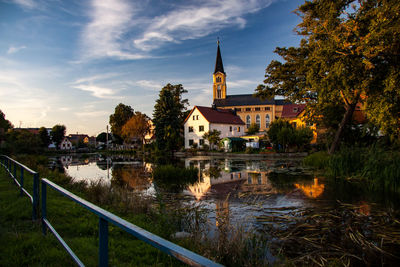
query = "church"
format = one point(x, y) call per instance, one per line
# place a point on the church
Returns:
point(249, 108)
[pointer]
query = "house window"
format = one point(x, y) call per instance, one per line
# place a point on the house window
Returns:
point(257, 109)
point(190, 129)
point(248, 121)
point(267, 108)
point(190, 142)
point(201, 142)
point(197, 117)
point(194, 117)
point(201, 128)
point(267, 121)
point(238, 129)
point(230, 128)
point(248, 109)
point(258, 121)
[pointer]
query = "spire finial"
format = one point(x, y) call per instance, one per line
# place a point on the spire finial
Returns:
point(217, 40)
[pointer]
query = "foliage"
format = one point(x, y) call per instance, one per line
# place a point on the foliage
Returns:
point(136, 127)
point(23, 141)
point(57, 134)
point(213, 137)
point(4, 126)
point(169, 116)
point(44, 137)
point(318, 160)
point(122, 114)
point(253, 129)
point(349, 54)
point(282, 135)
point(174, 178)
point(102, 137)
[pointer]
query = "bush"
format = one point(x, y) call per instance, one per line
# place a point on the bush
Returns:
point(318, 160)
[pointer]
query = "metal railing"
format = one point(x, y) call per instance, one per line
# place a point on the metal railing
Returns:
point(106, 217)
point(11, 166)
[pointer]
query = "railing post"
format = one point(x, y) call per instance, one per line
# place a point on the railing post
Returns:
point(15, 170)
point(35, 206)
point(44, 206)
point(22, 180)
point(103, 242)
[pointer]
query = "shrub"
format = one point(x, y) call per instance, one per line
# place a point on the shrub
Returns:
point(318, 160)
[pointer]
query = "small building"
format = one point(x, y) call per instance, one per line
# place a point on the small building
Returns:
point(233, 144)
point(77, 138)
point(65, 144)
point(295, 114)
point(204, 119)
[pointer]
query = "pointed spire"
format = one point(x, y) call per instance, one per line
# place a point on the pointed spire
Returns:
point(219, 67)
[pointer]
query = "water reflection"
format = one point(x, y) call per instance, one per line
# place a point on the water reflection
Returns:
point(312, 190)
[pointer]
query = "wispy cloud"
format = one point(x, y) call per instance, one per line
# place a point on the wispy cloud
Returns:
point(241, 84)
point(197, 19)
point(30, 4)
point(150, 84)
point(92, 114)
point(123, 30)
point(103, 36)
point(100, 92)
point(15, 49)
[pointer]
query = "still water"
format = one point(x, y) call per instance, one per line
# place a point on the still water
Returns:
point(238, 190)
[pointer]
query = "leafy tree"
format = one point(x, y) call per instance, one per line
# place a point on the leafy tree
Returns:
point(253, 129)
point(57, 134)
point(213, 137)
point(122, 114)
point(102, 137)
point(4, 126)
point(168, 117)
point(44, 137)
point(349, 54)
point(136, 127)
point(23, 141)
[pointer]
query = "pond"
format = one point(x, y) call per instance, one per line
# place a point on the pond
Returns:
point(242, 188)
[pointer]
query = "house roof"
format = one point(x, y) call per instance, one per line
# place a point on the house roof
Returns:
point(292, 110)
point(246, 100)
point(219, 67)
point(214, 115)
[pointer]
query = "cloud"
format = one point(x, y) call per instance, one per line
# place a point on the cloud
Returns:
point(30, 4)
point(96, 78)
point(150, 84)
point(96, 91)
point(103, 36)
point(15, 49)
point(92, 114)
point(241, 84)
point(123, 29)
point(197, 20)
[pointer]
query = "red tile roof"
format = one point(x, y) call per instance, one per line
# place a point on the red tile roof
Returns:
point(222, 116)
point(292, 110)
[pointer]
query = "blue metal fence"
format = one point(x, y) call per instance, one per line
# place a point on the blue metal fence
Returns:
point(11, 166)
point(105, 217)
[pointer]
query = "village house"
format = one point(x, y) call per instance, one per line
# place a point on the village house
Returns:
point(66, 144)
point(204, 119)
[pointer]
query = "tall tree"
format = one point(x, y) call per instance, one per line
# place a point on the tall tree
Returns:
point(168, 117)
point(4, 126)
point(136, 127)
point(57, 134)
point(342, 60)
point(122, 114)
point(44, 137)
point(213, 137)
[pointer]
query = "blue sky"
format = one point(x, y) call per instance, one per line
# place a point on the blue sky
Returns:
point(71, 62)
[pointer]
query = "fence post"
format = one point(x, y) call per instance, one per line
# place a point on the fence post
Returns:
point(15, 170)
point(35, 206)
point(44, 206)
point(22, 181)
point(103, 242)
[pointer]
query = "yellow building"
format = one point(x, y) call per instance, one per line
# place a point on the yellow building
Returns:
point(250, 109)
point(295, 114)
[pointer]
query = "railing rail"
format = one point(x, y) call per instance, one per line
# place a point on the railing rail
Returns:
point(11, 166)
point(106, 217)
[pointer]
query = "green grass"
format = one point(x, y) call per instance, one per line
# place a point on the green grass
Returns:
point(22, 242)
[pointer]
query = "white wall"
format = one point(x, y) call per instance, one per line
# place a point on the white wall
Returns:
point(196, 120)
point(224, 129)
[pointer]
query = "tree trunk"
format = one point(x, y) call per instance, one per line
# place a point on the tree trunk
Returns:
point(346, 119)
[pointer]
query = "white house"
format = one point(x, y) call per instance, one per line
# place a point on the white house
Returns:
point(204, 119)
point(66, 144)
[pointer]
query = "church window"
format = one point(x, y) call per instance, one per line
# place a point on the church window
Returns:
point(219, 95)
point(258, 121)
point(267, 121)
point(267, 108)
point(218, 79)
point(257, 109)
point(248, 109)
point(248, 121)
point(238, 109)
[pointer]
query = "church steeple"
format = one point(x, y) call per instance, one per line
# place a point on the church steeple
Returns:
point(219, 67)
point(219, 77)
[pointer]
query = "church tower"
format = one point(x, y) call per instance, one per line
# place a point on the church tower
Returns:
point(219, 77)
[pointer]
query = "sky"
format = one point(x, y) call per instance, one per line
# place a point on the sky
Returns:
point(72, 62)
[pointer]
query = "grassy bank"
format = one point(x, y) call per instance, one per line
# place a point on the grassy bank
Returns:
point(23, 243)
